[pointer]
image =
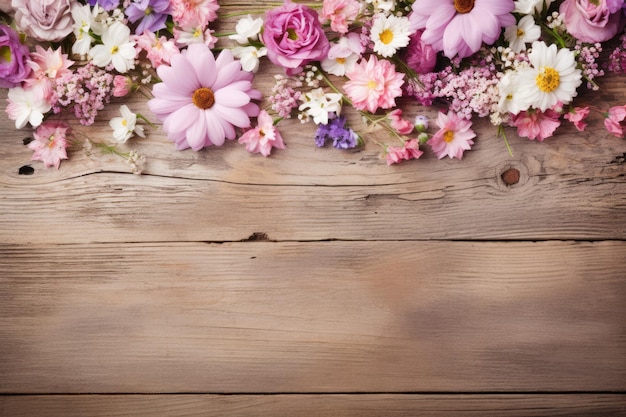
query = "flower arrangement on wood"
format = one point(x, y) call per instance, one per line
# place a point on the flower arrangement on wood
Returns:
point(519, 63)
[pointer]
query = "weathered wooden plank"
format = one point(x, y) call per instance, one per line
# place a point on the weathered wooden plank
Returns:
point(366, 405)
point(313, 317)
point(111, 207)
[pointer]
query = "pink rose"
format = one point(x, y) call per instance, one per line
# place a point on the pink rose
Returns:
point(419, 56)
point(592, 20)
point(294, 37)
point(44, 20)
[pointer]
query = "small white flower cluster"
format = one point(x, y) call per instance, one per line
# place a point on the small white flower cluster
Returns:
point(248, 30)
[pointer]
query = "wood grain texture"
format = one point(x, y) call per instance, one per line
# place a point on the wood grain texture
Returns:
point(313, 317)
point(530, 405)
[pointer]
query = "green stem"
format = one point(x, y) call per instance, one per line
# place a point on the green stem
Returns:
point(502, 133)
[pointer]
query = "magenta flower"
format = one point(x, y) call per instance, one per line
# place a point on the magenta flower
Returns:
point(459, 27)
point(419, 56)
point(264, 137)
point(577, 116)
point(454, 136)
point(397, 154)
point(535, 124)
point(202, 99)
point(614, 119)
point(50, 143)
point(592, 20)
point(13, 61)
point(374, 84)
point(294, 37)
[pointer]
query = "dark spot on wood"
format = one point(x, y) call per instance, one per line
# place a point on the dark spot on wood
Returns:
point(26, 170)
point(619, 159)
point(27, 140)
point(510, 176)
point(257, 237)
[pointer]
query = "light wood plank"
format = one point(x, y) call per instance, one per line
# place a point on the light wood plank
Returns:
point(368, 405)
point(316, 317)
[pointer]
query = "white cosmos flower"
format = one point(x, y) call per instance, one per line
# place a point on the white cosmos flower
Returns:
point(341, 65)
point(551, 78)
point(126, 126)
point(249, 57)
point(526, 31)
point(389, 33)
point(116, 48)
point(318, 104)
point(27, 106)
point(248, 28)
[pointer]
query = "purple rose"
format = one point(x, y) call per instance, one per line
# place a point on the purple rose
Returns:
point(44, 20)
point(419, 56)
point(13, 57)
point(294, 37)
point(592, 20)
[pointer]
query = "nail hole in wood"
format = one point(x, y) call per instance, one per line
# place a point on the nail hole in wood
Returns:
point(26, 170)
point(510, 176)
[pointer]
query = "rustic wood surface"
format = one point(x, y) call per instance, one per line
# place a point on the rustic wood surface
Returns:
point(316, 281)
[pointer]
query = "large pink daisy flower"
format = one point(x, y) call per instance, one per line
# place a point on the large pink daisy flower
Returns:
point(202, 99)
point(454, 136)
point(459, 27)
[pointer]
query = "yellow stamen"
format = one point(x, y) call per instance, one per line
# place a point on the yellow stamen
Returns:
point(203, 98)
point(463, 6)
point(340, 60)
point(520, 33)
point(448, 136)
point(548, 79)
point(371, 84)
point(386, 36)
point(114, 50)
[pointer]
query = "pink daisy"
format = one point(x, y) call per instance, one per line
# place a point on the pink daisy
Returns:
point(374, 84)
point(264, 137)
point(459, 27)
point(340, 13)
point(202, 99)
point(50, 143)
point(410, 150)
point(535, 124)
point(454, 136)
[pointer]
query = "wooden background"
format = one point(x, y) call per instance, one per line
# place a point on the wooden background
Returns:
point(316, 282)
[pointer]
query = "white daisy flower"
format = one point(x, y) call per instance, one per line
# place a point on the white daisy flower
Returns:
point(249, 57)
point(318, 105)
point(341, 65)
point(126, 126)
point(551, 78)
point(26, 106)
point(531, 6)
point(248, 29)
point(389, 34)
point(526, 31)
point(116, 48)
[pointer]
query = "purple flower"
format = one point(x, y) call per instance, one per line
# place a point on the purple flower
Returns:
point(13, 57)
point(294, 37)
point(335, 130)
point(151, 14)
point(107, 5)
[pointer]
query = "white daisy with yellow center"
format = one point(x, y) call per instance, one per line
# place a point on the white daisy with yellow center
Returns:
point(389, 34)
point(552, 77)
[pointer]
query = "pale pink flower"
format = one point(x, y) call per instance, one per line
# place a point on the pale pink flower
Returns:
point(264, 137)
point(454, 136)
point(397, 154)
point(122, 85)
point(47, 65)
point(374, 84)
point(397, 123)
point(194, 13)
point(577, 116)
point(27, 106)
point(50, 142)
point(44, 20)
point(592, 20)
point(158, 50)
point(188, 36)
point(340, 13)
point(461, 27)
point(535, 124)
point(203, 99)
point(614, 119)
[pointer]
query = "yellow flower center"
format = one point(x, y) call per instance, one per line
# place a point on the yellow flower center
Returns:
point(371, 84)
point(520, 33)
point(203, 98)
point(291, 34)
point(448, 136)
point(386, 36)
point(341, 60)
point(114, 50)
point(51, 142)
point(463, 6)
point(548, 79)
point(5, 54)
point(148, 11)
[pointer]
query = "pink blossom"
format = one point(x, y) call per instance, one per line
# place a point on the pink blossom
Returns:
point(201, 99)
point(374, 84)
point(591, 20)
point(264, 137)
point(419, 56)
point(614, 119)
point(44, 20)
point(397, 154)
point(535, 124)
point(460, 27)
point(577, 116)
point(294, 37)
point(159, 50)
point(193, 13)
point(47, 66)
point(454, 136)
point(50, 142)
point(122, 85)
point(400, 125)
point(340, 13)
